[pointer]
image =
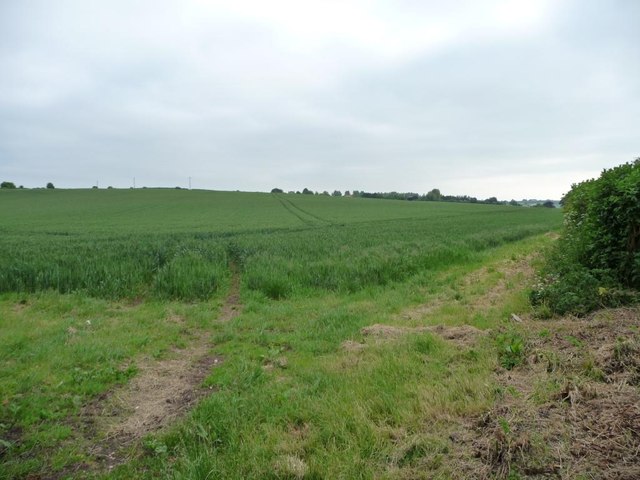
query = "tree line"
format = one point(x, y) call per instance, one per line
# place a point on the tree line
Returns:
point(432, 196)
point(11, 185)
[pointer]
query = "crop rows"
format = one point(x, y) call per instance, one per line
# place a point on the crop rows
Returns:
point(338, 246)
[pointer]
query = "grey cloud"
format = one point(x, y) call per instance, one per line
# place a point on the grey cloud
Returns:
point(107, 95)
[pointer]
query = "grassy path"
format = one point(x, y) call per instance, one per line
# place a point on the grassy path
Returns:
point(371, 385)
point(161, 392)
point(137, 390)
point(427, 379)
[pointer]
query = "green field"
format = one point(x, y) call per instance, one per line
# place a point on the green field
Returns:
point(178, 244)
point(92, 280)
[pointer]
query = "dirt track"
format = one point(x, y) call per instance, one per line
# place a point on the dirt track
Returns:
point(162, 391)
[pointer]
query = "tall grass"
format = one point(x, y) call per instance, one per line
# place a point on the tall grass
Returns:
point(351, 258)
point(132, 266)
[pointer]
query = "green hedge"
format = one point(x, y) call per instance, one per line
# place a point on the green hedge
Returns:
point(597, 260)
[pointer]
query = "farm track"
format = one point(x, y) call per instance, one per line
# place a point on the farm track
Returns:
point(317, 217)
point(161, 392)
point(519, 271)
point(291, 210)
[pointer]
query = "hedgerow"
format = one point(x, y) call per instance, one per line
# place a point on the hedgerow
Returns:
point(596, 262)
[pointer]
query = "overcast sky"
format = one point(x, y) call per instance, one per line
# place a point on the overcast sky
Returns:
point(514, 99)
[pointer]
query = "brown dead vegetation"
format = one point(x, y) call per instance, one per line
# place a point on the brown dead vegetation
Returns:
point(572, 411)
point(161, 392)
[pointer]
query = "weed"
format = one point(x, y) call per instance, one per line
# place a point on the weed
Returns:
point(511, 350)
point(591, 369)
point(425, 344)
point(554, 362)
point(596, 261)
point(542, 311)
point(504, 425)
point(155, 446)
point(574, 341)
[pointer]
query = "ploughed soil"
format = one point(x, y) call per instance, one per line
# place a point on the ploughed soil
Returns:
point(162, 391)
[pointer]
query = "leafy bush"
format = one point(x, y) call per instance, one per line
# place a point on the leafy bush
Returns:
point(597, 260)
point(603, 222)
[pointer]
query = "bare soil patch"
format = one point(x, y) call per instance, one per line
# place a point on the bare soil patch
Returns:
point(462, 335)
point(161, 392)
point(20, 306)
point(389, 331)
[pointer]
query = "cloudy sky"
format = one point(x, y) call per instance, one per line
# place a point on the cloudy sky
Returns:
point(506, 98)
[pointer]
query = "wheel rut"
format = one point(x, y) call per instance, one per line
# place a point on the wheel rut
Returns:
point(304, 216)
point(161, 392)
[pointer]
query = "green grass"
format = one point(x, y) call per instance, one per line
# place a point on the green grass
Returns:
point(92, 278)
point(383, 412)
point(57, 351)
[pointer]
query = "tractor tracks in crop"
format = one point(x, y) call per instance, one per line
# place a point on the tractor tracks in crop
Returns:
point(163, 390)
point(303, 215)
